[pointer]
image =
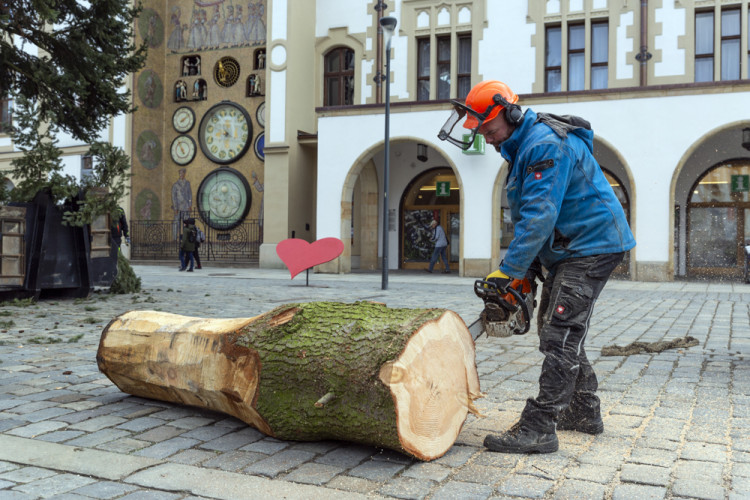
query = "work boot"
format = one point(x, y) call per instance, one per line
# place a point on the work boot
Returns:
point(522, 439)
point(572, 420)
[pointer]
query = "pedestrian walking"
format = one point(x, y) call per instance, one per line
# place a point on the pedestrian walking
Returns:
point(441, 244)
point(187, 244)
point(200, 238)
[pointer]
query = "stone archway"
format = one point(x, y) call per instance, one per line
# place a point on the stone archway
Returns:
point(716, 147)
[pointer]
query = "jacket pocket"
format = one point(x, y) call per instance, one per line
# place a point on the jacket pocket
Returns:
point(570, 307)
point(540, 165)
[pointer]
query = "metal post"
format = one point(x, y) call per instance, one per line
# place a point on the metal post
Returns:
point(388, 24)
point(386, 164)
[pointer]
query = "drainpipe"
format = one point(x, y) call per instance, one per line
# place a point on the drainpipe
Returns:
point(379, 76)
point(644, 55)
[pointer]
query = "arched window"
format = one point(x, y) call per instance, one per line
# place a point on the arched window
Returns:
point(718, 223)
point(339, 77)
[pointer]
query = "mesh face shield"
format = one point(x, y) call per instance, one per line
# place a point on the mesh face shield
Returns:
point(463, 137)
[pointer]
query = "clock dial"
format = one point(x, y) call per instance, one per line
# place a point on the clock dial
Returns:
point(260, 114)
point(225, 132)
point(224, 198)
point(260, 144)
point(183, 119)
point(183, 149)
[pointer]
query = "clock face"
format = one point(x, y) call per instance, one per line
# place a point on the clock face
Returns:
point(260, 144)
point(260, 114)
point(225, 132)
point(183, 119)
point(224, 198)
point(183, 149)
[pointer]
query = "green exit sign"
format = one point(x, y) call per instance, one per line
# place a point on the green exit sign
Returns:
point(443, 188)
point(740, 183)
point(477, 147)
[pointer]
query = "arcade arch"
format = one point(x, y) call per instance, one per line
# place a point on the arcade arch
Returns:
point(362, 193)
point(711, 207)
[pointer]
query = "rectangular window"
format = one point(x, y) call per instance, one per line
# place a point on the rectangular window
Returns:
point(464, 65)
point(5, 115)
point(553, 59)
point(444, 67)
point(87, 167)
point(704, 46)
point(730, 44)
point(576, 56)
point(423, 69)
point(599, 55)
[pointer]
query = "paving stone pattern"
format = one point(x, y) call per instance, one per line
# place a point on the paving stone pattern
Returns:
point(677, 423)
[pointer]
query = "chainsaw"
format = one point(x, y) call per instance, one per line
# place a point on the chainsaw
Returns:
point(505, 312)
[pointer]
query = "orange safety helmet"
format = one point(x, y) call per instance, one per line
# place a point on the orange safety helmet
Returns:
point(484, 102)
point(482, 96)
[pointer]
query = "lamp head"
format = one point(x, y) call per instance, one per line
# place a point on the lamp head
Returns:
point(388, 24)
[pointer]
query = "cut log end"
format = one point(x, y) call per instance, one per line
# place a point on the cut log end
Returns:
point(433, 383)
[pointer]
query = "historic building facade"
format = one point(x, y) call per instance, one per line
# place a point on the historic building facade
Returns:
point(198, 135)
point(663, 83)
point(265, 121)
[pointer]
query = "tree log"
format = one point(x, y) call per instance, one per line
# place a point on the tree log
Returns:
point(403, 379)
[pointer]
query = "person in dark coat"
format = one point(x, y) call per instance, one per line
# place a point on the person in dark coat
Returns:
point(187, 244)
point(120, 228)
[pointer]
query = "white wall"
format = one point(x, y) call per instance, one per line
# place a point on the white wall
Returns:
point(505, 49)
point(672, 21)
point(651, 134)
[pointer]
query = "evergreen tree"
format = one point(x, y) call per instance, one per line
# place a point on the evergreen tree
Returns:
point(85, 51)
point(63, 63)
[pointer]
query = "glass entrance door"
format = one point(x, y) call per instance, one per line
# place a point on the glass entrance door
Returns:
point(718, 222)
point(432, 195)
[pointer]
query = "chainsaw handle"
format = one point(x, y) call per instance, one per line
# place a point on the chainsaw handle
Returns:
point(524, 308)
point(487, 290)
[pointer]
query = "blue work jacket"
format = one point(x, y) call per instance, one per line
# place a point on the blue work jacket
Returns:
point(560, 201)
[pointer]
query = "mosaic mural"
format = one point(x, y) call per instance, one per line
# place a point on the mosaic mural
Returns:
point(151, 28)
point(215, 24)
point(149, 149)
point(206, 52)
point(147, 206)
point(150, 89)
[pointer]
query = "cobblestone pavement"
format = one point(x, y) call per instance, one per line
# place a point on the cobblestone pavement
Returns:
point(676, 422)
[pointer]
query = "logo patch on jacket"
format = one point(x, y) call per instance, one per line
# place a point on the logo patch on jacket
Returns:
point(538, 167)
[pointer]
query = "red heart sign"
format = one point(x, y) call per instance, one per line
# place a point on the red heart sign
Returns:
point(299, 255)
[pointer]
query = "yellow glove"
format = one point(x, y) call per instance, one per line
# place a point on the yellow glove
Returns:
point(497, 274)
point(502, 281)
point(499, 279)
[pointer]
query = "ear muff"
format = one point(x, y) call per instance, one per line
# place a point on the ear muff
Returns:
point(513, 112)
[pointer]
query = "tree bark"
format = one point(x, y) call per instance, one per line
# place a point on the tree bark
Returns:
point(403, 379)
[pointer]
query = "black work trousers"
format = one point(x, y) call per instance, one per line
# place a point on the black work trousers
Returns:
point(565, 309)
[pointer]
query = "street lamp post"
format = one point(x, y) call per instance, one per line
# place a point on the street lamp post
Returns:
point(389, 26)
